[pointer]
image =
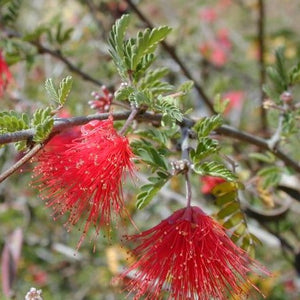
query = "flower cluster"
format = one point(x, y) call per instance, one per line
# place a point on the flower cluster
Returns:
point(189, 256)
point(84, 176)
point(102, 101)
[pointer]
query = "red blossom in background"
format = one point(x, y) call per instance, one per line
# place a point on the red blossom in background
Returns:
point(84, 177)
point(208, 14)
point(235, 100)
point(213, 53)
point(5, 75)
point(217, 50)
point(223, 39)
point(190, 256)
point(209, 182)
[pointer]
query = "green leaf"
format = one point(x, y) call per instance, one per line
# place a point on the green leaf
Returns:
point(11, 121)
point(153, 76)
point(43, 123)
point(205, 147)
point(233, 219)
point(280, 67)
point(11, 11)
point(35, 34)
point(279, 77)
point(152, 157)
point(64, 89)
point(158, 135)
point(267, 157)
point(146, 43)
point(216, 169)
point(148, 191)
point(116, 44)
point(271, 176)
point(230, 208)
point(153, 84)
point(171, 113)
point(226, 198)
point(138, 98)
point(21, 145)
point(123, 93)
point(186, 87)
point(62, 36)
point(294, 74)
point(220, 104)
point(148, 153)
point(49, 86)
point(204, 126)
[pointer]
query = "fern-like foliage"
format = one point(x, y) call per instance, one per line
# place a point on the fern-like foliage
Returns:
point(59, 96)
point(149, 191)
point(232, 217)
point(134, 56)
point(170, 112)
point(10, 11)
point(116, 44)
point(11, 121)
point(155, 159)
point(281, 77)
point(207, 124)
point(215, 169)
point(152, 81)
point(43, 123)
point(206, 147)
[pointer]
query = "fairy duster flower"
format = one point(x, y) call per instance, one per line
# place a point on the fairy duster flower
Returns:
point(189, 256)
point(84, 177)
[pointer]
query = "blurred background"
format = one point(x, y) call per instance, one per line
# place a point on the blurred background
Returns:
point(218, 41)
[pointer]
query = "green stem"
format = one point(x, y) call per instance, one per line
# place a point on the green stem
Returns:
point(130, 119)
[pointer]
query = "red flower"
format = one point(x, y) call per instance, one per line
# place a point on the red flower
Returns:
point(62, 141)
point(214, 53)
point(5, 75)
point(223, 39)
point(209, 182)
point(102, 100)
point(84, 177)
point(235, 100)
point(208, 14)
point(190, 256)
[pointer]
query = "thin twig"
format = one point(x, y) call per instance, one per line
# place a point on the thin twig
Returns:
point(259, 142)
point(261, 61)
point(21, 162)
point(188, 189)
point(130, 119)
point(57, 54)
point(93, 9)
point(226, 130)
point(185, 149)
point(172, 52)
point(275, 139)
